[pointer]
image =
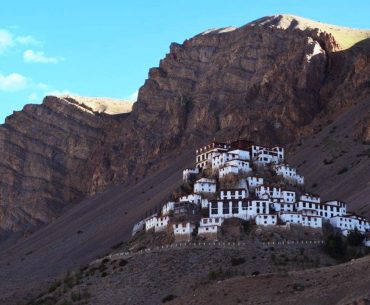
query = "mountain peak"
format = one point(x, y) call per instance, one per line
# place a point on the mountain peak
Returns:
point(345, 36)
point(99, 104)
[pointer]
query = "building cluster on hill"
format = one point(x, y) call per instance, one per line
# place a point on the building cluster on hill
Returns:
point(249, 182)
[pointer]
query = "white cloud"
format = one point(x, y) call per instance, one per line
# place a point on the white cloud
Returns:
point(27, 40)
point(59, 92)
point(13, 82)
point(6, 40)
point(42, 86)
point(133, 96)
point(33, 97)
point(31, 56)
point(9, 40)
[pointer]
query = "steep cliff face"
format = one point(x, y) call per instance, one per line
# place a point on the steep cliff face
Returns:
point(253, 81)
point(45, 152)
point(269, 80)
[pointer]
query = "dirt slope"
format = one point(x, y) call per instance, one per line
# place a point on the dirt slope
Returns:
point(338, 285)
point(336, 161)
point(83, 233)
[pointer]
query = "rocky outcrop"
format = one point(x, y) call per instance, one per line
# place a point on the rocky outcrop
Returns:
point(46, 151)
point(268, 80)
point(259, 81)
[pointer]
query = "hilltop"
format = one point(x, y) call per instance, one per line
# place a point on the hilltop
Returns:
point(345, 37)
point(100, 104)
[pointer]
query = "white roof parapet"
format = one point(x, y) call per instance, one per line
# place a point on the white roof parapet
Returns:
point(206, 180)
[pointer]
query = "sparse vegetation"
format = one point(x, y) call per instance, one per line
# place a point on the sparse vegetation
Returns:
point(105, 260)
point(168, 298)
point(117, 246)
point(68, 281)
point(236, 261)
point(355, 238)
point(328, 161)
point(247, 227)
point(298, 287)
point(123, 262)
point(343, 249)
point(54, 286)
point(335, 246)
point(342, 171)
point(183, 190)
point(229, 181)
point(219, 274)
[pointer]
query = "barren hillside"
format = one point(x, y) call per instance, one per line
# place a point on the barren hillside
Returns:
point(335, 160)
point(343, 284)
point(86, 231)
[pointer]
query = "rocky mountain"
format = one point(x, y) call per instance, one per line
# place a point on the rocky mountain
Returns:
point(46, 155)
point(275, 80)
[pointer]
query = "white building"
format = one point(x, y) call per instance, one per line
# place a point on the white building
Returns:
point(150, 222)
point(257, 207)
point(185, 208)
point(228, 209)
point(204, 203)
point(194, 198)
point(161, 223)
point(347, 223)
point(158, 223)
point(183, 231)
point(188, 173)
point(336, 207)
point(231, 194)
point(209, 227)
point(282, 206)
point(168, 207)
point(311, 219)
point(265, 155)
point(235, 166)
point(204, 154)
point(139, 226)
point(267, 192)
point(327, 210)
point(254, 182)
point(291, 217)
point(219, 159)
point(307, 218)
point(266, 220)
point(241, 154)
point(289, 196)
point(289, 173)
point(205, 185)
point(310, 198)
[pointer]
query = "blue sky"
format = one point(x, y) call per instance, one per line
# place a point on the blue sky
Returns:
point(105, 48)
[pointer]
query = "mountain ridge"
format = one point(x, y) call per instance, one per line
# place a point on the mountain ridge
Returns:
point(270, 84)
